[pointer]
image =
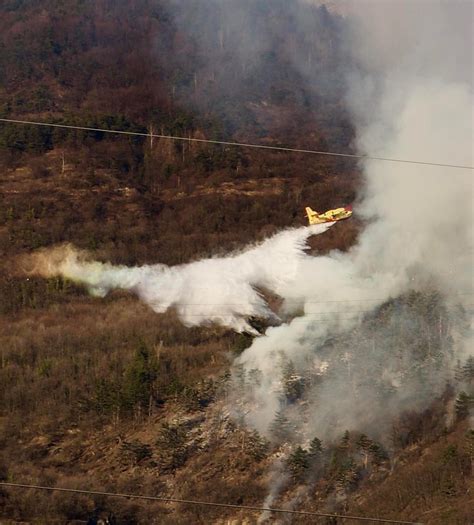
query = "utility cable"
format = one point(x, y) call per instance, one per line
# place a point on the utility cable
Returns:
point(205, 503)
point(304, 302)
point(237, 144)
point(320, 312)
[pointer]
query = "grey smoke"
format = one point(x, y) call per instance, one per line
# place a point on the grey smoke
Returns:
point(410, 94)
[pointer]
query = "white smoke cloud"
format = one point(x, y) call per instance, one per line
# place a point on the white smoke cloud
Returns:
point(278, 478)
point(411, 98)
point(221, 290)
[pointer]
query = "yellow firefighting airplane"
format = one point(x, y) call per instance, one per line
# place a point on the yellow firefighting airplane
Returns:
point(337, 214)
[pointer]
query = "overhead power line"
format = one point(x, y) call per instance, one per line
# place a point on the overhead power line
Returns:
point(303, 301)
point(205, 503)
point(320, 312)
point(236, 144)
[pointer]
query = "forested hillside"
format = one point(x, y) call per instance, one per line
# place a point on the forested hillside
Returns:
point(105, 394)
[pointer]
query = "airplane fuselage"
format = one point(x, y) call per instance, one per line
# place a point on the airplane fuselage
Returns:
point(337, 214)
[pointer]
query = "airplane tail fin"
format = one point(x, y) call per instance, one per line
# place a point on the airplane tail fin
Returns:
point(311, 214)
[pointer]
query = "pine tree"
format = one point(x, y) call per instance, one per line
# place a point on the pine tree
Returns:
point(299, 463)
point(293, 384)
point(172, 447)
point(256, 446)
point(345, 441)
point(462, 405)
point(106, 397)
point(281, 429)
point(347, 474)
point(315, 448)
point(138, 388)
point(458, 372)
point(468, 369)
point(377, 453)
point(364, 443)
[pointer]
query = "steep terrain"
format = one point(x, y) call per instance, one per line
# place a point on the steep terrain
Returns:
point(105, 394)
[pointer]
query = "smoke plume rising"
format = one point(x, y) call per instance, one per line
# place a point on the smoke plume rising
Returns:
point(371, 336)
point(409, 99)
